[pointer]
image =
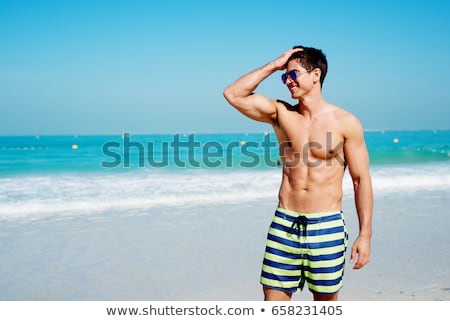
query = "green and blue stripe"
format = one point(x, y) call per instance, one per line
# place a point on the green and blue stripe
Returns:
point(305, 248)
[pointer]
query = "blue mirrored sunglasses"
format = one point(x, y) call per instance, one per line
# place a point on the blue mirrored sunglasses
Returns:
point(292, 75)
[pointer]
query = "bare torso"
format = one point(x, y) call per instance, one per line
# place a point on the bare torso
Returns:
point(312, 152)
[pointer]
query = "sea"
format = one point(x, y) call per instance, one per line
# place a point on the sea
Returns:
point(92, 175)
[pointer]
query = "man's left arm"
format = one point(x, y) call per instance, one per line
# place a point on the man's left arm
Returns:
point(357, 159)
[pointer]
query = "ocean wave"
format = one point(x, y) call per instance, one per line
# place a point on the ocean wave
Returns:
point(36, 197)
point(43, 196)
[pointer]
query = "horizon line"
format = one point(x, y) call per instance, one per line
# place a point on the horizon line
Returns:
point(381, 130)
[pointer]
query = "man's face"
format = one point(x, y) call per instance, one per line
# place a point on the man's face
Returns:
point(297, 79)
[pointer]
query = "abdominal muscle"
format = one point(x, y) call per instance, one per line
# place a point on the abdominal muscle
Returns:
point(307, 189)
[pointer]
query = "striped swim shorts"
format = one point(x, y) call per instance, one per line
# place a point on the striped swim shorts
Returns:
point(305, 248)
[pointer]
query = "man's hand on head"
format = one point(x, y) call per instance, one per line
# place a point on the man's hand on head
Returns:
point(280, 62)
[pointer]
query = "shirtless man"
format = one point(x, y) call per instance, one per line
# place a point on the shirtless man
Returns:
point(307, 239)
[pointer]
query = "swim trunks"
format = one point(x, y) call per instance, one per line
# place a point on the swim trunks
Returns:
point(305, 248)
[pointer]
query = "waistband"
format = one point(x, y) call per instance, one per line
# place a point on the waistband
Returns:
point(313, 217)
point(300, 221)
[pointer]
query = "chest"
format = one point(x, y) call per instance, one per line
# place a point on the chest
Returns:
point(321, 140)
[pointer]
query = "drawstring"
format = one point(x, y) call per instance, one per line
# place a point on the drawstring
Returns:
point(300, 221)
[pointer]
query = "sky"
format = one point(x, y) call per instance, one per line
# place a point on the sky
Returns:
point(106, 67)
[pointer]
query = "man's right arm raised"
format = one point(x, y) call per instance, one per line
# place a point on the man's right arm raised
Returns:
point(240, 94)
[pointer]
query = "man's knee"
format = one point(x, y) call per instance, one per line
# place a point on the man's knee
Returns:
point(276, 295)
point(325, 297)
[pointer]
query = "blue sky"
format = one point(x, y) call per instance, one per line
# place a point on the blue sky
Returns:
point(107, 67)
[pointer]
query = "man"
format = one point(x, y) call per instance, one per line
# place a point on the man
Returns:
point(307, 239)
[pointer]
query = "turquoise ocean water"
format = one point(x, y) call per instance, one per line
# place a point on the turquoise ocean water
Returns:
point(42, 176)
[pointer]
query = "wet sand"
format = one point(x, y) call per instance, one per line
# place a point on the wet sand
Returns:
point(215, 253)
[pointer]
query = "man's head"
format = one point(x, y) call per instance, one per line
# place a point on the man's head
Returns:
point(310, 59)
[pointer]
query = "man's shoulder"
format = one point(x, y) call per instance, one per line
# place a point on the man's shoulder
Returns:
point(343, 115)
point(347, 122)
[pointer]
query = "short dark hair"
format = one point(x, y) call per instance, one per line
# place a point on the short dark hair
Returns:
point(311, 58)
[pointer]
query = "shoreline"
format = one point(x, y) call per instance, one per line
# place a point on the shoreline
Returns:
point(209, 252)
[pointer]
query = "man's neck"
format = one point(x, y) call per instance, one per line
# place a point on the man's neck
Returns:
point(312, 105)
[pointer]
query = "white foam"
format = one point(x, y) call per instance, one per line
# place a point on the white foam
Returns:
point(37, 197)
point(41, 196)
point(413, 178)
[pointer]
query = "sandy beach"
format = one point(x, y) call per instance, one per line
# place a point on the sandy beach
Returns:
point(209, 252)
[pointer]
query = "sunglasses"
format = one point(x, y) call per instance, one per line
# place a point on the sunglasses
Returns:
point(292, 75)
